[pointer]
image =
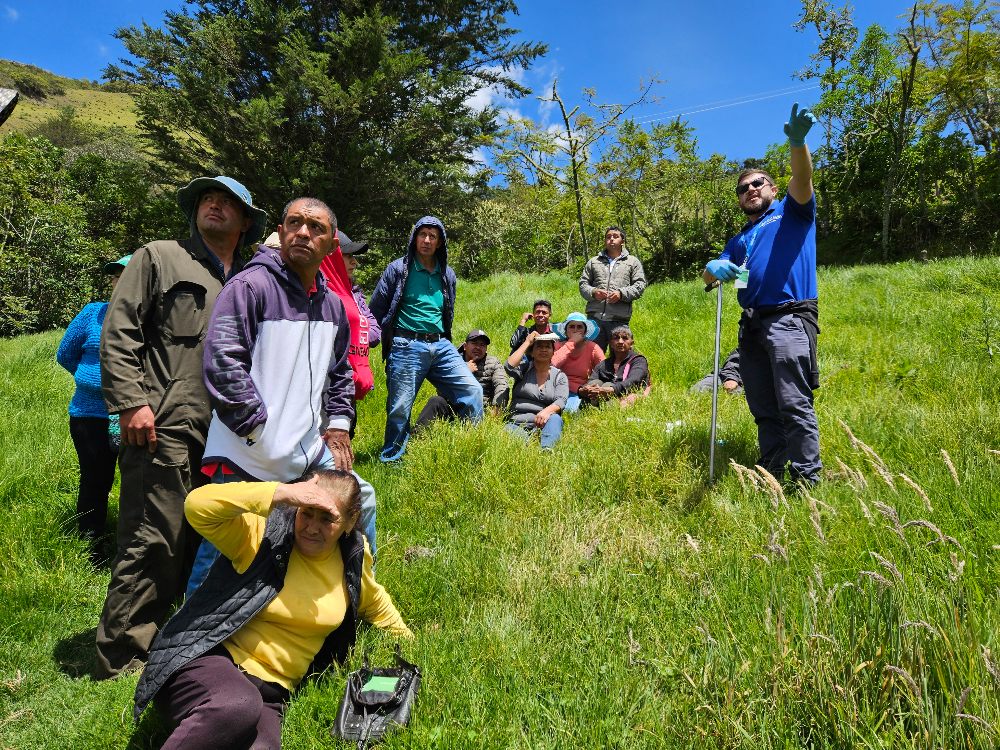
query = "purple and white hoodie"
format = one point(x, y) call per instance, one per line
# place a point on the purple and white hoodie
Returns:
point(276, 370)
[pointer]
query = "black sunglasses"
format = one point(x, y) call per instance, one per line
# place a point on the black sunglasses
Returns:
point(759, 182)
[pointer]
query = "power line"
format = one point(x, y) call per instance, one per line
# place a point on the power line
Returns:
point(723, 104)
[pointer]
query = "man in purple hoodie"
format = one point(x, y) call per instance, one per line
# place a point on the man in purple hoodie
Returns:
point(276, 368)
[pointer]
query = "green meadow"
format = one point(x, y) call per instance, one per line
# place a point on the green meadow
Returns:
point(604, 595)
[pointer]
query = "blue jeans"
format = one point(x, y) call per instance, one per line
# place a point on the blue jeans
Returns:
point(775, 366)
point(409, 363)
point(572, 403)
point(208, 554)
point(548, 435)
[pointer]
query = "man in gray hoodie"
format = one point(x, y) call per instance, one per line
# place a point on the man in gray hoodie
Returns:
point(610, 282)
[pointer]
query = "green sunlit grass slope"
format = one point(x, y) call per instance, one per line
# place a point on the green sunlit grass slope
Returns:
point(602, 595)
point(44, 94)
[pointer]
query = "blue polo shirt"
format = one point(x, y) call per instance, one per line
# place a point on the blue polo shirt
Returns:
point(780, 252)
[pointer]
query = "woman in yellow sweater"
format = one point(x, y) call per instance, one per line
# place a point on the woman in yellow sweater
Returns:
point(281, 603)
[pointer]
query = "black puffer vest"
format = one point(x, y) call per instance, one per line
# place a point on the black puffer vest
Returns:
point(227, 600)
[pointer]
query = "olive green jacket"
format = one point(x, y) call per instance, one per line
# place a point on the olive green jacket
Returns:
point(151, 343)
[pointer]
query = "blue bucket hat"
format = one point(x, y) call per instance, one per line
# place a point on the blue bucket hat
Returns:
point(576, 317)
point(187, 199)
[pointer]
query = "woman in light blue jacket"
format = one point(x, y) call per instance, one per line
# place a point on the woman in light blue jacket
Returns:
point(89, 424)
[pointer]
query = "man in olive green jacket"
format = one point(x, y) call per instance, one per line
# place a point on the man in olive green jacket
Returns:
point(151, 373)
point(610, 282)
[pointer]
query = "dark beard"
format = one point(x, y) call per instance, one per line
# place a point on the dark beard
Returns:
point(765, 204)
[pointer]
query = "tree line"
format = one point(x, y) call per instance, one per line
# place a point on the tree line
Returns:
point(369, 107)
point(906, 165)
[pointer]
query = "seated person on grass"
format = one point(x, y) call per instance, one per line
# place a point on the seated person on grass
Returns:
point(623, 376)
point(729, 376)
point(540, 390)
point(539, 319)
point(485, 368)
point(282, 602)
point(579, 355)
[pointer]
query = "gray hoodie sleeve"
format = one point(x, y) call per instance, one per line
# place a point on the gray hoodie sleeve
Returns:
point(498, 379)
point(562, 389)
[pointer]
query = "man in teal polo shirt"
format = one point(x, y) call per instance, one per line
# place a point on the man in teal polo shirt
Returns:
point(414, 302)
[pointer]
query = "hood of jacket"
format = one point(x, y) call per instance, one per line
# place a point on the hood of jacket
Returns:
point(442, 251)
point(271, 259)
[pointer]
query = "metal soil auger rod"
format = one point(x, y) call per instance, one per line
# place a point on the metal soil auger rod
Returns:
point(715, 380)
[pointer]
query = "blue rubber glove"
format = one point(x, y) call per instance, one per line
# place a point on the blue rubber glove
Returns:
point(723, 270)
point(798, 125)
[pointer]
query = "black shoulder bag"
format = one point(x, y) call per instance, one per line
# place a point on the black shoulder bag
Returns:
point(377, 700)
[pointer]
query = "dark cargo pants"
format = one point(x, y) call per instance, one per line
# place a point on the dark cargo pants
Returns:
point(156, 547)
point(776, 370)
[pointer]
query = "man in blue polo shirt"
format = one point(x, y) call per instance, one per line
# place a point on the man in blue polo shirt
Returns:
point(773, 261)
point(414, 302)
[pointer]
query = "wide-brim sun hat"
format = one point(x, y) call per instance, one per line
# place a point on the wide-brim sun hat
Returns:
point(116, 266)
point(592, 330)
point(187, 199)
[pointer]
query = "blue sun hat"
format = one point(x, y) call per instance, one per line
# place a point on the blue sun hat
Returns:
point(576, 317)
point(187, 199)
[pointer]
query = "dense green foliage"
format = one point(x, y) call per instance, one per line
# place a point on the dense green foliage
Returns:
point(363, 105)
point(66, 212)
point(603, 595)
point(910, 157)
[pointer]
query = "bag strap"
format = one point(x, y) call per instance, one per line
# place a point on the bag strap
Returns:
point(402, 663)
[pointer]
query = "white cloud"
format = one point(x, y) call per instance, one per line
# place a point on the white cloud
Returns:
point(481, 99)
point(479, 155)
point(558, 134)
point(102, 50)
point(489, 96)
point(548, 73)
point(11, 14)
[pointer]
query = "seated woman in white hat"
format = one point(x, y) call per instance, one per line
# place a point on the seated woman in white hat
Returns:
point(540, 389)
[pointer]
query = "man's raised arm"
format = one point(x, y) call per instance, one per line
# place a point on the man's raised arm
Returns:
point(800, 187)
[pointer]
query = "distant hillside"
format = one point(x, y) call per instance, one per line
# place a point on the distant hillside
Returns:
point(44, 94)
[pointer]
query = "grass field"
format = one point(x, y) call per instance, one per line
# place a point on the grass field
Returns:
point(44, 94)
point(603, 595)
point(101, 108)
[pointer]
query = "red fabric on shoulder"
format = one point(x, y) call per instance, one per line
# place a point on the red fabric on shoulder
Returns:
point(335, 273)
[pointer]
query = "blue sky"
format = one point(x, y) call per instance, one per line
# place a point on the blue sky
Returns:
point(711, 54)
